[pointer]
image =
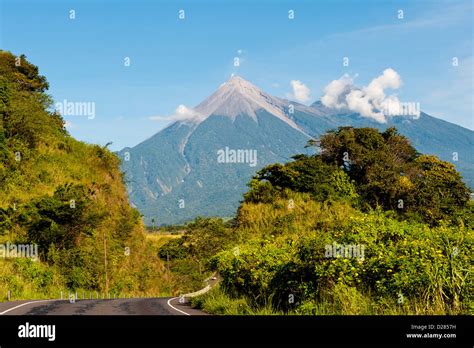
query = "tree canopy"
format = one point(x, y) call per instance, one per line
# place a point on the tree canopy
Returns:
point(372, 169)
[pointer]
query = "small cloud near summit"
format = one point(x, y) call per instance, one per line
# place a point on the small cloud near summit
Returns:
point(301, 93)
point(182, 113)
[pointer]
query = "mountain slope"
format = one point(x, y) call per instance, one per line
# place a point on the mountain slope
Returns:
point(176, 174)
point(195, 176)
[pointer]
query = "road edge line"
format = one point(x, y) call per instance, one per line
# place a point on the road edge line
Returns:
point(176, 309)
point(24, 304)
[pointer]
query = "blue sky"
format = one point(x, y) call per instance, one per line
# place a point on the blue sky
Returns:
point(175, 61)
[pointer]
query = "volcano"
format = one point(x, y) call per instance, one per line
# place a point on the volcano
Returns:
point(199, 165)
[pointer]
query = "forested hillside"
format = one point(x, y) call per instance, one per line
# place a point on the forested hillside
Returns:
point(68, 198)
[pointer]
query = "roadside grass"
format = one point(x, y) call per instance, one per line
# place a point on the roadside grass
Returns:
point(218, 303)
point(34, 280)
point(29, 280)
point(344, 300)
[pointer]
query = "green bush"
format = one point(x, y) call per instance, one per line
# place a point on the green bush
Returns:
point(34, 272)
point(422, 264)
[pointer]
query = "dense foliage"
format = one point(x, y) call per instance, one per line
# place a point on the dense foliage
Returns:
point(371, 169)
point(66, 197)
point(189, 256)
point(403, 221)
point(405, 268)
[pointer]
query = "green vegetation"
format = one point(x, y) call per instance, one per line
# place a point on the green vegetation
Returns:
point(68, 198)
point(219, 303)
point(365, 226)
point(404, 219)
point(188, 257)
point(389, 173)
point(426, 268)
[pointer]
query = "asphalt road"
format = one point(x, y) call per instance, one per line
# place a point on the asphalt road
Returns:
point(131, 306)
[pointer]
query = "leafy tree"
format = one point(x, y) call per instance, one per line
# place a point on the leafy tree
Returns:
point(260, 191)
point(388, 172)
point(24, 103)
point(24, 74)
point(438, 192)
point(305, 174)
point(374, 160)
point(204, 237)
point(63, 219)
point(173, 249)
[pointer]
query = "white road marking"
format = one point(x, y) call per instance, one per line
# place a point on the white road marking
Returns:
point(24, 304)
point(176, 309)
point(38, 301)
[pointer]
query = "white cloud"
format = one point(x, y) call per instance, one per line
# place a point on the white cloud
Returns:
point(182, 113)
point(375, 89)
point(367, 101)
point(69, 125)
point(301, 93)
point(336, 90)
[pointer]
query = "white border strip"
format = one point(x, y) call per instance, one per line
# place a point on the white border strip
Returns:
point(176, 309)
point(24, 304)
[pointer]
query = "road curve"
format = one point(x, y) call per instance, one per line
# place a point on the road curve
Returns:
point(131, 306)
